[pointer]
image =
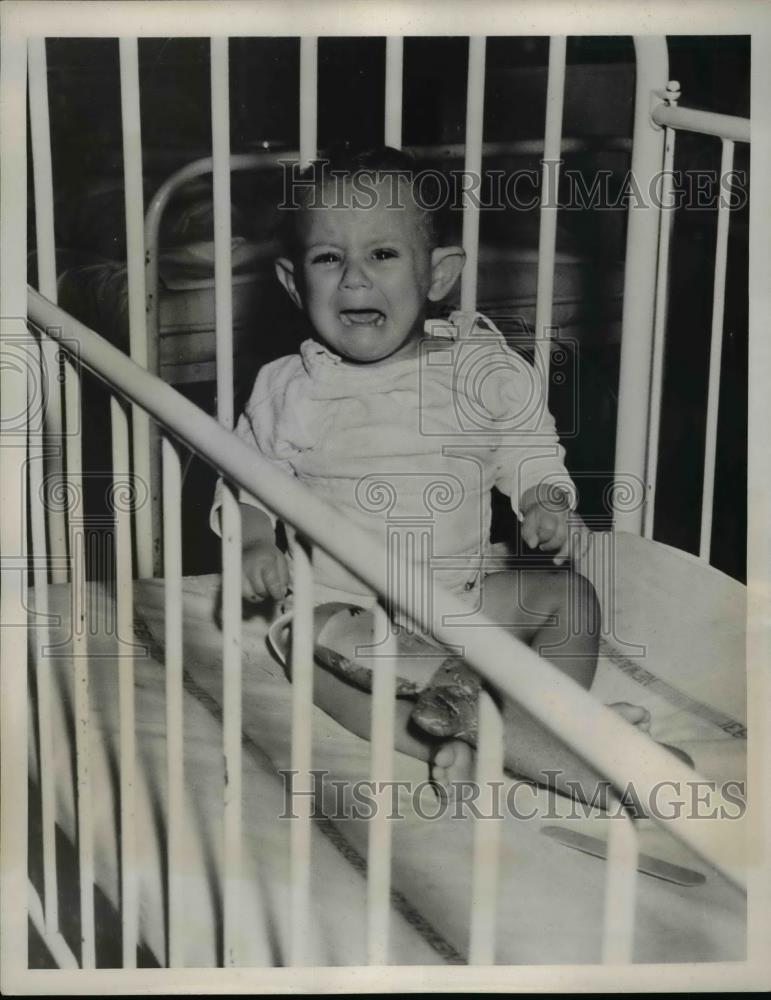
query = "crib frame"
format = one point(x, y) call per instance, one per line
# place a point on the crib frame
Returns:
point(657, 118)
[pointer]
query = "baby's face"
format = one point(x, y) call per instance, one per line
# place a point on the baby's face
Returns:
point(363, 277)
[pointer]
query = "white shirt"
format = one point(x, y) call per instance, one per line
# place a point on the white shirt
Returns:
point(409, 450)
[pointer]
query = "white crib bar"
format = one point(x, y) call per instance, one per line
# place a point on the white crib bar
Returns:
point(394, 73)
point(715, 351)
point(55, 942)
point(620, 890)
point(13, 525)
point(547, 231)
point(472, 167)
point(705, 122)
point(41, 634)
point(301, 753)
point(381, 770)
point(42, 179)
point(54, 464)
point(78, 605)
point(487, 834)
point(124, 598)
point(659, 333)
point(308, 100)
point(639, 284)
point(140, 348)
point(144, 352)
point(231, 715)
point(42, 174)
point(223, 267)
point(175, 765)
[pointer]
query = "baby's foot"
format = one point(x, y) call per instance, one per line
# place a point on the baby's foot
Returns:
point(641, 718)
point(453, 761)
point(448, 707)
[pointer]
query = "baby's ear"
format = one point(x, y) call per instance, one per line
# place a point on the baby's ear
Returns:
point(285, 274)
point(446, 265)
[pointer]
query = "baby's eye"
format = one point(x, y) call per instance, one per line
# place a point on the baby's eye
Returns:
point(325, 257)
point(384, 253)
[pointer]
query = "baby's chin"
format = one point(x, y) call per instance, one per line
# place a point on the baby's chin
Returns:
point(372, 350)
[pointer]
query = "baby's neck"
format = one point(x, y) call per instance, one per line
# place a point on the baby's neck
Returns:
point(407, 352)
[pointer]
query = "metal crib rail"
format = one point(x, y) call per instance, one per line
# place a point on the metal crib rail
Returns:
point(658, 118)
point(730, 129)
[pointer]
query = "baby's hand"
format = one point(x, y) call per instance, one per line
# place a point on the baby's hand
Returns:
point(264, 572)
point(547, 529)
point(561, 531)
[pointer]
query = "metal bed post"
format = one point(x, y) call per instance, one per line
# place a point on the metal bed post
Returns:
point(620, 889)
point(639, 281)
point(42, 179)
point(231, 516)
point(308, 99)
point(41, 636)
point(301, 753)
point(547, 232)
point(223, 265)
point(394, 75)
point(715, 350)
point(484, 887)
point(143, 350)
point(381, 770)
point(121, 495)
point(665, 191)
point(175, 763)
point(487, 835)
point(231, 714)
point(302, 630)
point(78, 614)
point(472, 170)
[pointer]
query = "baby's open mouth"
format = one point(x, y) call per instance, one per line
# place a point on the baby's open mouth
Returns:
point(362, 317)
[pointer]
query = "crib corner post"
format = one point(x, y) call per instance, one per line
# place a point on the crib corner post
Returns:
point(640, 276)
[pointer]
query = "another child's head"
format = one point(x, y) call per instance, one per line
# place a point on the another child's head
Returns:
point(363, 259)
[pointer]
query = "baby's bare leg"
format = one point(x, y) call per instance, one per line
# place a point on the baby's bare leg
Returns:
point(556, 613)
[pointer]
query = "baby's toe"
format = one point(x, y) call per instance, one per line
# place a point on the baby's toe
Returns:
point(445, 755)
point(452, 762)
point(635, 714)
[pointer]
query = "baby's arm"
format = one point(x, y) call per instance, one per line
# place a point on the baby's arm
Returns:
point(264, 566)
point(533, 474)
point(264, 570)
